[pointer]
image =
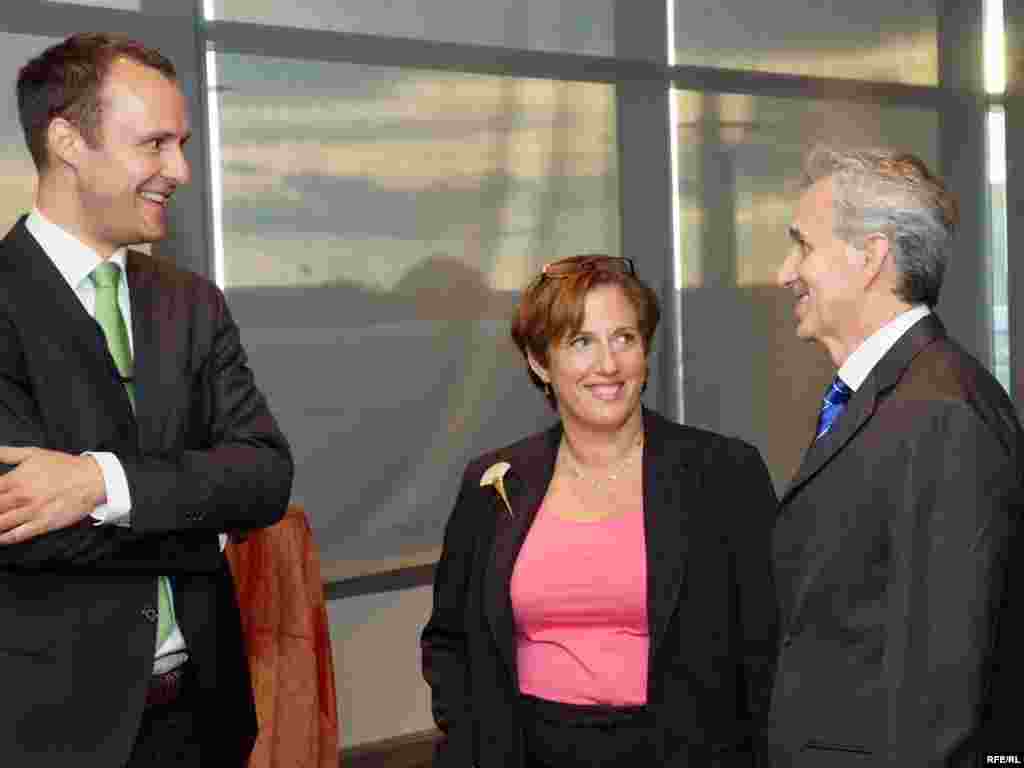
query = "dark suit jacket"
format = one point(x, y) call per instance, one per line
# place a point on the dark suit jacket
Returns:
point(889, 552)
point(708, 508)
point(202, 455)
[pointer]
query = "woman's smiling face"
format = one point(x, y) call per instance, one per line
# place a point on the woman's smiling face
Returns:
point(597, 374)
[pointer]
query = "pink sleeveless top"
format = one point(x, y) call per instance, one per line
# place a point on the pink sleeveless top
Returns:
point(579, 597)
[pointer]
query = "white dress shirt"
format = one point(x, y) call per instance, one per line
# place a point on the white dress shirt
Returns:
point(863, 359)
point(75, 261)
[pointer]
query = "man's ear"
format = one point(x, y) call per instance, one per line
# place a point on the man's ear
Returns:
point(537, 368)
point(876, 256)
point(64, 141)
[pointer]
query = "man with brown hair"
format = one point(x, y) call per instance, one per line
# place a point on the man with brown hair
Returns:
point(891, 542)
point(132, 437)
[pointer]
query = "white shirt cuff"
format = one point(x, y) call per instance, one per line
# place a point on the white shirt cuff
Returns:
point(117, 510)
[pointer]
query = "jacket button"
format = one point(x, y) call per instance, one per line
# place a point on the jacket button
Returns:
point(150, 614)
point(787, 640)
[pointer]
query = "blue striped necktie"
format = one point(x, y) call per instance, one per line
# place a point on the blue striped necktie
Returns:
point(833, 404)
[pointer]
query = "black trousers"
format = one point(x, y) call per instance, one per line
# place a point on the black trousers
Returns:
point(168, 735)
point(561, 735)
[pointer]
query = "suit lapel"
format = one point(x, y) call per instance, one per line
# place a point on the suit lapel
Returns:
point(60, 323)
point(532, 466)
point(860, 408)
point(62, 309)
point(672, 484)
point(145, 340)
point(862, 405)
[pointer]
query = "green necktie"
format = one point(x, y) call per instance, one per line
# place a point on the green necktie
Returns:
point(107, 279)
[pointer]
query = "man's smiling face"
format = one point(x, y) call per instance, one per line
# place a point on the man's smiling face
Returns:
point(126, 175)
point(823, 272)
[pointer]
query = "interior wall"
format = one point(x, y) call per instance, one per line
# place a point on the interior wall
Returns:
point(376, 651)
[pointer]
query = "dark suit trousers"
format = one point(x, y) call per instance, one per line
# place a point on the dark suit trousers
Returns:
point(168, 736)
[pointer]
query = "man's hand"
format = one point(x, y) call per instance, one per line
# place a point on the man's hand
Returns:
point(46, 491)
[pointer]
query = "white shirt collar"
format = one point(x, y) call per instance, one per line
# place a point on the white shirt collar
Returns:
point(859, 364)
point(74, 259)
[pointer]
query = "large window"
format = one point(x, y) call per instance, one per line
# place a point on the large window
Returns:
point(124, 5)
point(893, 42)
point(578, 26)
point(376, 224)
point(383, 177)
point(17, 173)
point(739, 169)
point(995, 86)
point(347, 174)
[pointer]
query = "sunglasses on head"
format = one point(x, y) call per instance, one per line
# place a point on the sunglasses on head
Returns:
point(573, 266)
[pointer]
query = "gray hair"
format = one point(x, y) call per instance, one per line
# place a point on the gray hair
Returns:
point(892, 193)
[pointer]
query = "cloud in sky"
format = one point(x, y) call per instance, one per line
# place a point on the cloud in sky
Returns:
point(425, 129)
point(385, 172)
point(582, 26)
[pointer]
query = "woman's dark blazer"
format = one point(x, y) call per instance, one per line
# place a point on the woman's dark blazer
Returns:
point(708, 511)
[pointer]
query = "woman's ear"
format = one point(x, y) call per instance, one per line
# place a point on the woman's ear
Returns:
point(537, 368)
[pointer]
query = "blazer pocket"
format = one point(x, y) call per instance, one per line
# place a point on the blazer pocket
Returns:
point(25, 644)
point(825, 746)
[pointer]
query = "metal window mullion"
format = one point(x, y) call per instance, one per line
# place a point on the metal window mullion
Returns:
point(645, 185)
point(965, 303)
point(1014, 104)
